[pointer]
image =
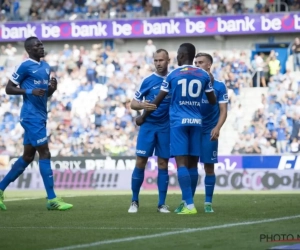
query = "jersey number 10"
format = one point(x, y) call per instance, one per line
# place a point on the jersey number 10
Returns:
point(190, 87)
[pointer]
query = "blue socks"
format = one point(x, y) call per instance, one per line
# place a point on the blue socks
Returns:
point(47, 175)
point(16, 170)
point(184, 180)
point(209, 182)
point(136, 182)
point(194, 179)
point(162, 183)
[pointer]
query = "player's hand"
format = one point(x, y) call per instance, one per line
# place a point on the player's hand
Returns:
point(53, 83)
point(38, 92)
point(215, 133)
point(139, 120)
point(149, 106)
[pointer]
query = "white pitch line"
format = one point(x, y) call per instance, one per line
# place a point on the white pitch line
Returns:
point(37, 198)
point(96, 228)
point(107, 242)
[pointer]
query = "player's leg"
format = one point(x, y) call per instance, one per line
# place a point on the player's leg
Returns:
point(144, 149)
point(180, 149)
point(162, 184)
point(53, 202)
point(37, 134)
point(16, 170)
point(137, 179)
point(193, 145)
point(162, 151)
point(209, 157)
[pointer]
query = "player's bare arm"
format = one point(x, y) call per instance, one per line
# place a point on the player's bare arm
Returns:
point(52, 87)
point(141, 119)
point(13, 89)
point(146, 105)
point(211, 97)
point(215, 133)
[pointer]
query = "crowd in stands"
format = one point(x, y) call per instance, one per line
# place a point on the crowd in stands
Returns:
point(275, 127)
point(90, 112)
point(104, 9)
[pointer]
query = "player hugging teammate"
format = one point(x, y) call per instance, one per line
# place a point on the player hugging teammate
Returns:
point(198, 109)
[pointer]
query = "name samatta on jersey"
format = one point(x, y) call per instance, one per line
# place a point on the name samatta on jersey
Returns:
point(186, 85)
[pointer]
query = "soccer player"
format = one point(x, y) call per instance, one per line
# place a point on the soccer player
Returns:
point(186, 85)
point(154, 134)
point(213, 118)
point(32, 80)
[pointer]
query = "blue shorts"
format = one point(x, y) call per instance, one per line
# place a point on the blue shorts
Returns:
point(209, 149)
point(153, 140)
point(35, 133)
point(185, 141)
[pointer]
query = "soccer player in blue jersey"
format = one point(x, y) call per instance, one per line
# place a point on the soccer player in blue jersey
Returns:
point(154, 134)
point(213, 118)
point(32, 80)
point(186, 86)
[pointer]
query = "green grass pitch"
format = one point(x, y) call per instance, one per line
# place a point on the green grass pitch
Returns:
point(99, 220)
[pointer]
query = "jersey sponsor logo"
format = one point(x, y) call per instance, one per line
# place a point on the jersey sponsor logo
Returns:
point(15, 76)
point(189, 103)
point(41, 82)
point(205, 101)
point(41, 140)
point(138, 94)
point(225, 97)
point(156, 87)
point(210, 85)
point(143, 152)
point(37, 82)
point(165, 85)
point(191, 121)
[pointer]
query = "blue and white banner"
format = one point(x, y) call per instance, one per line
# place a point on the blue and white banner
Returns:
point(228, 163)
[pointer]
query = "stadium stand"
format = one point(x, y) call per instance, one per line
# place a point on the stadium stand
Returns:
point(83, 122)
point(15, 10)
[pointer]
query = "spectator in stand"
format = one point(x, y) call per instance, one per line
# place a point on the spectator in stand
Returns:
point(258, 7)
point(156, 7)
point(150, 49)
point(274, 66)
point(296, 54)
point(212, 7)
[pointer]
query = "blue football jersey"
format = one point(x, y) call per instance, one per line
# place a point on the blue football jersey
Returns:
point(186, 86)
point(33, 75)
point(148, 90)
point(211, 113)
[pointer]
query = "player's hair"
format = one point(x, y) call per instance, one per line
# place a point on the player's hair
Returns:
point(28, 41)
point(208, 56)
point(162, 50)
point(191, 50)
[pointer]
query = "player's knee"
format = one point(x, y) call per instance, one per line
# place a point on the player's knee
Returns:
point(162, 163)
point(45, 154)
point(209, 169)
point(141, 162)
point(28, 158)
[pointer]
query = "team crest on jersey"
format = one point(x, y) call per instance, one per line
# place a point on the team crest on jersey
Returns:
point(47, 71)
point(225, 97)
point(165, 84)
point(138, 94)
point(15, 76)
